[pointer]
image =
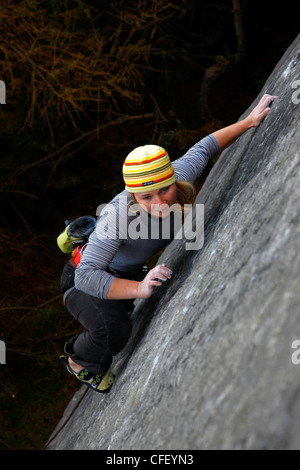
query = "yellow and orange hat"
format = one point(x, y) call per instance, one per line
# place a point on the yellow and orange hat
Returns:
point(147, 168)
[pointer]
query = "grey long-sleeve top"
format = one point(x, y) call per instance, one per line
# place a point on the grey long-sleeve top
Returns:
point(116, 242)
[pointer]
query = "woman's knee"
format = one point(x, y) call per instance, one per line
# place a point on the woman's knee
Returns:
point(107, 322)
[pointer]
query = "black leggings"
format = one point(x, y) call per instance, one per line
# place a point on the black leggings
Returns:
point(107, 326)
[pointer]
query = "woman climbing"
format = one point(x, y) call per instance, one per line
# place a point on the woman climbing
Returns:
point(99, 293)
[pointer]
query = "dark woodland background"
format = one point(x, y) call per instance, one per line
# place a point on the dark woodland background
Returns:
point(86, 82)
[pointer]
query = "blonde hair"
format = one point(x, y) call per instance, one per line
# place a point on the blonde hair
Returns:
point(186, 193)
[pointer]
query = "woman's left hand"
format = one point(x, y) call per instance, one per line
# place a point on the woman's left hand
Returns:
point(261, 110)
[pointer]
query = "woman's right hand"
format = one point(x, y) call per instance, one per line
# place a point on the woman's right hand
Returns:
point(155, 277)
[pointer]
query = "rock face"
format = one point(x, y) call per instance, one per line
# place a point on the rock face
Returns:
point(211, 363)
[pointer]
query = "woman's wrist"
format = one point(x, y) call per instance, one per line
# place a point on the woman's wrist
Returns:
point(123, 289)
point(248, 123)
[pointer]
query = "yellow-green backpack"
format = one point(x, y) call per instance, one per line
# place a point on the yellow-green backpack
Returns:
point(76, 233)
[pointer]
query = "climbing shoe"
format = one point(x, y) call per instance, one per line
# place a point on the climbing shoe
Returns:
point(99, 382)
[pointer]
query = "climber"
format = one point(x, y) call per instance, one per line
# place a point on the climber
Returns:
point(99, 293)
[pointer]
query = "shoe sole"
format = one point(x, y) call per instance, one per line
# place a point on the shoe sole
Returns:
point(106, 382)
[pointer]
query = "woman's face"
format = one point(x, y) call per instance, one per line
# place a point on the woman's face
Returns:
point(158, 201)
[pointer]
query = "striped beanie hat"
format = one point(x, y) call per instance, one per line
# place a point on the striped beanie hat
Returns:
point(147, 168)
